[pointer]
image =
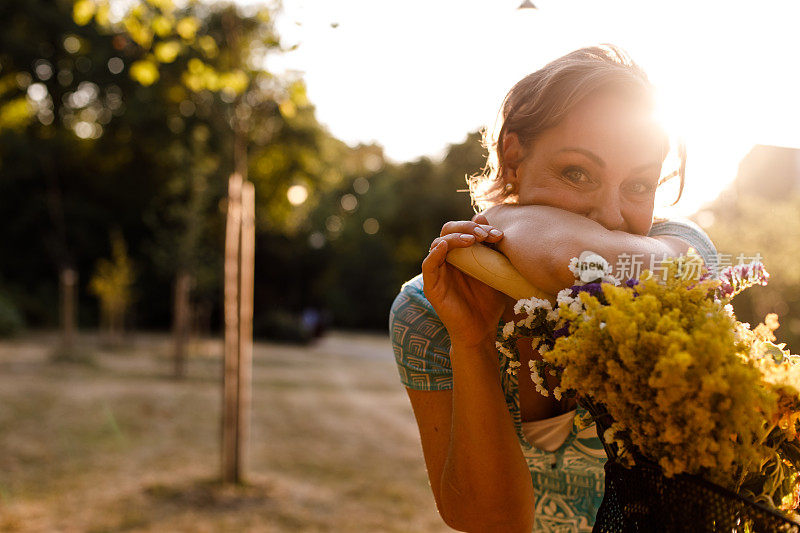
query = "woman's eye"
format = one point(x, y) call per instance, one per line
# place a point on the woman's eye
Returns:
point(640, 187)
point(576, 175)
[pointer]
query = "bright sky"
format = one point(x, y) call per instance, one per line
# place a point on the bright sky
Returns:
point(416, 75)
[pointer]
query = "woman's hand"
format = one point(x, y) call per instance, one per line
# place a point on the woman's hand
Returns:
point(561, 235)
point(469, 309)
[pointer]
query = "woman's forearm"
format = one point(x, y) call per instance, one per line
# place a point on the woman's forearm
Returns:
point(540, 241)
point(486, 484)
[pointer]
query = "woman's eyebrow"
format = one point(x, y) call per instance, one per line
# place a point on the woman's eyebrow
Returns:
point(599, 161)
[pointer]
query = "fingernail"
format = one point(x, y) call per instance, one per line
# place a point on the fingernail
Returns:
point(496, 232)
point(480, 232)
point(434, 244)
point(467, 237)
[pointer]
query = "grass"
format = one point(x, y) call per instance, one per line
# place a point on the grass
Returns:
point(116, 445)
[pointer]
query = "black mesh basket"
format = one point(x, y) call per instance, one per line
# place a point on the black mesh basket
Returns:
point(643, 499)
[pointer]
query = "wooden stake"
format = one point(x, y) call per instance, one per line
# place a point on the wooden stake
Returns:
point(180, 326)
point(230, 407)
point(68, 281)
point(246, 278)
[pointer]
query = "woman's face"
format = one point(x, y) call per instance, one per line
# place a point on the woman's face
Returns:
point(603, 161)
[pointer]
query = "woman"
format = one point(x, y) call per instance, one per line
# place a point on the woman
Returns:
point(574, 166)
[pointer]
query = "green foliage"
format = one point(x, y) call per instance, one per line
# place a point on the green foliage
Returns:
point(15, 114)
point(112, 282)
point(11, 321)
point(374, 229)
point(101, 149)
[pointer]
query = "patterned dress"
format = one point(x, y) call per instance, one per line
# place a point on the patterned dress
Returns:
point(569, 482)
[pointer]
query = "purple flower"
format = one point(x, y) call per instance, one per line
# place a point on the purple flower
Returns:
point(736, 278)
point(632, 282)
point(561, 332)
point(594, 289)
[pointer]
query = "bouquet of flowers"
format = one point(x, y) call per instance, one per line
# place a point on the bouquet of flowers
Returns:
point(673, 379)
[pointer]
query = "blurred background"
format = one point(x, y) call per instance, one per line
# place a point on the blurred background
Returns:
point(121, 122)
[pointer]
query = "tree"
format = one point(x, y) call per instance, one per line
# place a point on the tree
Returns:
point(770, 228)
point(111, 283)
point(57, 102)
point(156, 158)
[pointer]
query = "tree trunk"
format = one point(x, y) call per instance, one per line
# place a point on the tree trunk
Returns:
point(68, 281)
point(181, 320)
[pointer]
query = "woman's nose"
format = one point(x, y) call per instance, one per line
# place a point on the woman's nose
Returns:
point(607, 212)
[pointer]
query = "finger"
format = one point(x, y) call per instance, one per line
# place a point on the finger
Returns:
point(480, 231)
point(494, 234)
point(457, 226)
point(433, 262)
point(480, 218)
point(487, 232)
point(459, 240)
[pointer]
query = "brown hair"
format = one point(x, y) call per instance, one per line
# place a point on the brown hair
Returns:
point(542, 99)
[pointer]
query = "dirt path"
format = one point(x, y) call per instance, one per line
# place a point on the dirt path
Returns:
point(115, 445)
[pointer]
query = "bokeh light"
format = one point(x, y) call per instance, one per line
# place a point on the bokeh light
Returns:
point(316, 240)
point(72, 44)
point(361, 185)
point(371, 226)
point(115, 65)
point(334, 223)
point(297, 194)
point(349, 202)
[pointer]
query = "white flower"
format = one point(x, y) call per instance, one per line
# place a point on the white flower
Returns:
point(503, 350)
point(544, 348)
point(564, 296)
point(531, 305)
point(535, 343)
point(610, 279)
point(574, 267)
point(601, 325)
point(508, 329)
point(552, 315)
point(557, 393)
point(576, 306)
point(538, 302)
